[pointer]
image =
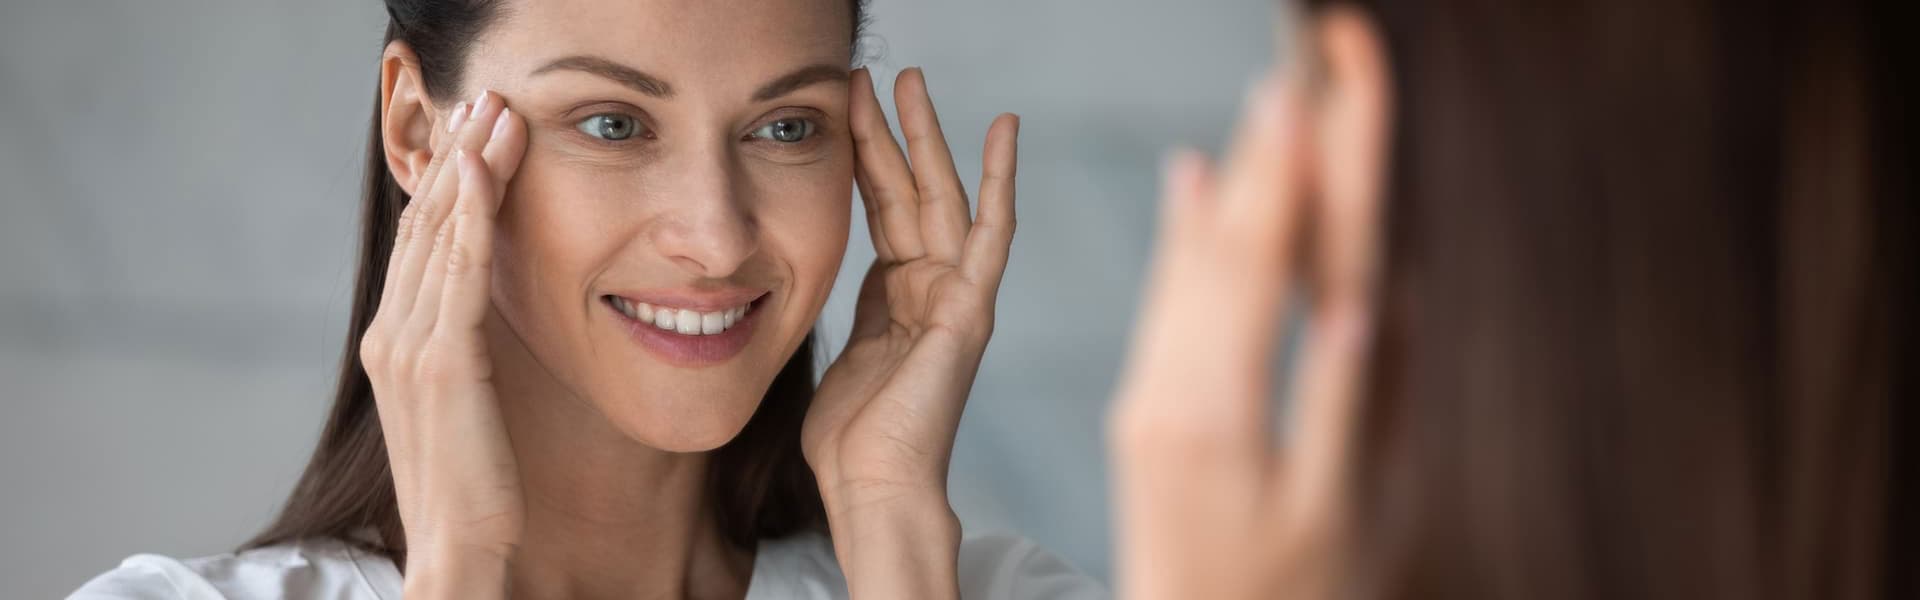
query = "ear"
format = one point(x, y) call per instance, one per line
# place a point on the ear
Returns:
point(407, 116)
point(1351, 120)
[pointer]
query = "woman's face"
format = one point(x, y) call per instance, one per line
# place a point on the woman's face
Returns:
point(682, 209)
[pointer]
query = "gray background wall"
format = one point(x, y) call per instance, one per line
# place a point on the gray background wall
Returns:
point(178, 184)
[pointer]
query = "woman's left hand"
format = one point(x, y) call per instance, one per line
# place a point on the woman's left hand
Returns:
point(882, 425)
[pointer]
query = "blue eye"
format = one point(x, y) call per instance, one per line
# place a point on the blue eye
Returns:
point(612, 127)
point(786, 131)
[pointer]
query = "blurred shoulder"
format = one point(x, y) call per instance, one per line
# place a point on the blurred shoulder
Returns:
point(996, 566)
point(314, 568)
point(1005, 565)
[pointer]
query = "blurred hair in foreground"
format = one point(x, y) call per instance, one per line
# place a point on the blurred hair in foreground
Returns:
point(1644, 321)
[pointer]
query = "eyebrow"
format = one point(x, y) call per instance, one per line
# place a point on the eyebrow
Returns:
point(622, 74)
point(654, 86)
point(805, 76)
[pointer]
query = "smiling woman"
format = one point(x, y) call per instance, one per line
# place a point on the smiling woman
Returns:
point(580, 362)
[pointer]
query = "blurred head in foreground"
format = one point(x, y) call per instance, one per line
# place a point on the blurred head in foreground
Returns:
point(1640, 329)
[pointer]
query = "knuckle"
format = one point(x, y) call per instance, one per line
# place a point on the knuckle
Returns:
point(408, 230)
point(464, 262)
point(423, 216)
point(463, 259)
point(374, 349)
point(459, 262)
point(428, 369)
point(442, 236)
point(405, 223)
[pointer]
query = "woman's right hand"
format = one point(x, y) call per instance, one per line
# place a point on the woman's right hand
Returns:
point(454, 473)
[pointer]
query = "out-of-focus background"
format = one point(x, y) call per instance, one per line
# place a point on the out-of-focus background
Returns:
point(178, 188)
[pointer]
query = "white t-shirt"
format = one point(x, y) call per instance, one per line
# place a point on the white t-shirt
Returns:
point(801, 567)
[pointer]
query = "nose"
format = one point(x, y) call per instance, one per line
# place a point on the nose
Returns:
point(706, 228)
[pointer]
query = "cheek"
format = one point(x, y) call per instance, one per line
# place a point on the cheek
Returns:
point(552, 233)
point(806, 214)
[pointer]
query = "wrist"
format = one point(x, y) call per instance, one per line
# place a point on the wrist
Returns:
point(456, 570)
point(896, 546)
point(886, 500)
point(922, 517)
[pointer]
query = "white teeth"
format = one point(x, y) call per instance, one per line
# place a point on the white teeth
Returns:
point(680, 320)
point(687, 322)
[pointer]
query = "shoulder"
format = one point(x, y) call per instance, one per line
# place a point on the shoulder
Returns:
point(994, 566)
point(319, 568)
point(1004, 565)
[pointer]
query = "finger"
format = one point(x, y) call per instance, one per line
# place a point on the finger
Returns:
point(943, 200)
point(426, 308)
point(505, 147)
point(1317, 452)
point(880, 164)
point(413, 237)
point(870, 316)
point(1174, 289)
point(1183, 419)
point(1259, 206)
point(471, 139)
point(881, 250)
point(1345, 220)
point(1183, 389)
point(991, 238)
point(469, 263)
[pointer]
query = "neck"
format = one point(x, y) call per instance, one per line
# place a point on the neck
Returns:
point(607, 516)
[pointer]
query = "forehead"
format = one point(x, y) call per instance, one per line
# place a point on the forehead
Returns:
point(683, 41)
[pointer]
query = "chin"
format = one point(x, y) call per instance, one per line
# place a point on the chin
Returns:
point(686, 422)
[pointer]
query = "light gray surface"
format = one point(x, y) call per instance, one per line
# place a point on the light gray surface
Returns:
point(178, 186)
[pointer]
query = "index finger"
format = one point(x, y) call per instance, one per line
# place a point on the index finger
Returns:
point(943, 200)
point(886, 182)
point(1257, 206)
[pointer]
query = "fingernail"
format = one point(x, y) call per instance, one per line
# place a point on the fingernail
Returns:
point(455, 118)
point(480, 102)
point(500, 123)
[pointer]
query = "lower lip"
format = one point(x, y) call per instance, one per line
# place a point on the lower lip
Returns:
point(690, 350)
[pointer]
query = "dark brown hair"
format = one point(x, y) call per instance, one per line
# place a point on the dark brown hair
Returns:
point(1640, 303)
point(759, 483)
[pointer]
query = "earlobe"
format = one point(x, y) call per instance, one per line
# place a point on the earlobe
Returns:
point(406, 116)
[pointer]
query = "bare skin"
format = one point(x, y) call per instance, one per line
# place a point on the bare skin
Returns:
point(1205, 505)
point(538, 449)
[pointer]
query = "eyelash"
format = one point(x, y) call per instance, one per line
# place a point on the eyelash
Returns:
point(639, 125)
point(812, 128)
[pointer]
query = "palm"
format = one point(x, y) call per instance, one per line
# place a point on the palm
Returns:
point(889, 401)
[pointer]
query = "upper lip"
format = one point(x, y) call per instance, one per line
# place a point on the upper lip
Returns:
point(698, 300)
